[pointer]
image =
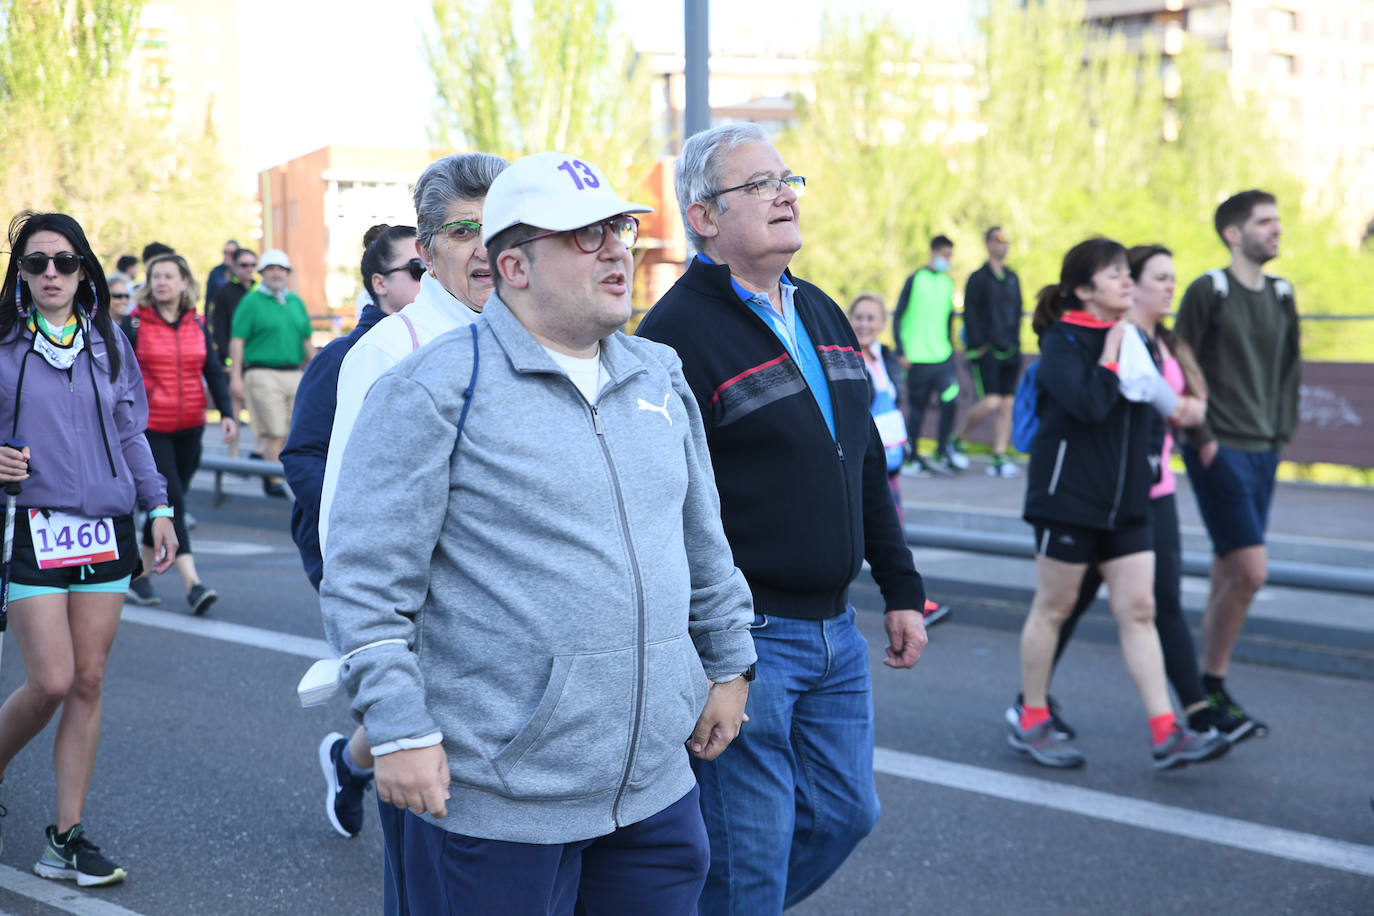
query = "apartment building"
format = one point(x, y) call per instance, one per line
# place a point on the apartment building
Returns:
point(1310, 62)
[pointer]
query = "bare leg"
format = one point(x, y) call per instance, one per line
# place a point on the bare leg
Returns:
point(1130, 589)
point(1056, 590)
point(94, 618)
point(238, 418)
point(186, 568)
point(1236, 578)
point(357, 746)
point(270, 447)
point(40, 627)
point(978, 414)
point(1001, 436)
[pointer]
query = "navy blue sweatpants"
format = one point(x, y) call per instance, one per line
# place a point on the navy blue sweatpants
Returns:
point(655, 866)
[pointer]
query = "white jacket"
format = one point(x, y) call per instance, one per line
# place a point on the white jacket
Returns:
point(434, 312)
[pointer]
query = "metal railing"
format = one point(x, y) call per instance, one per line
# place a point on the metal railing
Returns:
point(1281, 572)
point(251, 467)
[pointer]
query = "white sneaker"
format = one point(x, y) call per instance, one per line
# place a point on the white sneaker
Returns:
point(1008, 470)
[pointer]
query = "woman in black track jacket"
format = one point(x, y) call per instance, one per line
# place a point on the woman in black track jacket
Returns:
point(1093, 460)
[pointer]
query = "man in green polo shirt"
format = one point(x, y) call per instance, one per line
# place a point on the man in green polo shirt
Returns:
point(269, 345)
point(923, 328)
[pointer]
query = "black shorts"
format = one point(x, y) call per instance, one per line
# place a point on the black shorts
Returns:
point(993, 374)
point(1074, 544)
point(26, 572)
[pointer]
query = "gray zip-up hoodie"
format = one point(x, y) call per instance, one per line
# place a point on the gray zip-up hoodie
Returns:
point(558, 578)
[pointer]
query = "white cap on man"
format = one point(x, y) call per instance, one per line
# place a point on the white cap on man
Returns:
point(551, 191)
point(273, 257)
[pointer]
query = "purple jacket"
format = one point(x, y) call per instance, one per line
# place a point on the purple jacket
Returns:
point(71, 468)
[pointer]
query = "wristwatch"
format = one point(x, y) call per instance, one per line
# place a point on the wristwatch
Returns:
point(748, 674)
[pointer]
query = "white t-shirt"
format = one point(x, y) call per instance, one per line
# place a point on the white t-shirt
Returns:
point(585, 372)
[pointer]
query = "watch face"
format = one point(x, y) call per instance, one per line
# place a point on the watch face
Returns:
point(749, 674)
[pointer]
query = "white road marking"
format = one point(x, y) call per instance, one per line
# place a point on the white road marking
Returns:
point(1277, 842)
point(232, 548)
point(58, 895)
point(1307, 848)
point(258, 638)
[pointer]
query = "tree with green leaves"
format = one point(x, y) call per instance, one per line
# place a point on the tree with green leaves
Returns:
point(525, 76)
point(1062, 136)
point(75, 138)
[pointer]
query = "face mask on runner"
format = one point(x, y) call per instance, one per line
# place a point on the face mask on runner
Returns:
point(939, 264)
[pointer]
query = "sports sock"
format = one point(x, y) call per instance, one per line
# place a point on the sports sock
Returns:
point(1032, 716)
point(356, 771)
point(1162, 726)
point(1201, 720)
point(1211, 684)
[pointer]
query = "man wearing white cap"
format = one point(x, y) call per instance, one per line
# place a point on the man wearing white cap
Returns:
point(538, 611)
point(269, 345)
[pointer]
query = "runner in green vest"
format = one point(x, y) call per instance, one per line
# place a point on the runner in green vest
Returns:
point(923, 328)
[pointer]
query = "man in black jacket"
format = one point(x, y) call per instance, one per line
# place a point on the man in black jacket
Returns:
point(221, 314)
point(804, 497)
point(992, 336)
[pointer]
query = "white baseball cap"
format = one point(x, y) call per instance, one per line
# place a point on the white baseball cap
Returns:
point(551, 191)
point(273, 257)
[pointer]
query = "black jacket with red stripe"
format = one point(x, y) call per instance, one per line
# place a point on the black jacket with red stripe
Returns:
point(801, 510)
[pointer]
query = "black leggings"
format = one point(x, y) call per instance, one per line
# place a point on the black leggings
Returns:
point(177, 456)
point(1180, 660)
point(924, 381)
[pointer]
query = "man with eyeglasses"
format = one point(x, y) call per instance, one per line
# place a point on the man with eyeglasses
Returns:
point(780, 382)
point(542, 608)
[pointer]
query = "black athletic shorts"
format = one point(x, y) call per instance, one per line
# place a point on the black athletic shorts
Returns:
point(25, 567)
point(993, 374)
point(1073, 544)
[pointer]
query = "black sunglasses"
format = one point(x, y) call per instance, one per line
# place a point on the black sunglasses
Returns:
point(414, 265)
point(37, 262)
point(119, 295)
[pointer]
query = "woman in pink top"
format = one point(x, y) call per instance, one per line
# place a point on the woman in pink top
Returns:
point(1152, 269)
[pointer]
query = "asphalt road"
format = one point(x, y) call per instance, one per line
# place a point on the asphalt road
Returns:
point(207, 787)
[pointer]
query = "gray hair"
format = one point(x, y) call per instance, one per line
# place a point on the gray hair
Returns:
point(461, 176)
point(112, 279)
point(701, 167)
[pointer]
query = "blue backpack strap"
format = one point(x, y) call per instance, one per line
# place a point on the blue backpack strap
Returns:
point(467, 392)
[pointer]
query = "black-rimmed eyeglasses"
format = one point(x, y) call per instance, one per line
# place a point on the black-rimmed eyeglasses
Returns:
point(768, 188)
point(589, 239)
point(414, 265)
point(36, 262)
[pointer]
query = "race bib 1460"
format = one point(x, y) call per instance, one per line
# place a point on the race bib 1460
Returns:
point(62, 540)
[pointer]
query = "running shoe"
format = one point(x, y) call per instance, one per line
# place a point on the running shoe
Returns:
point(917, 467)
point(934, 613)
point(141, 592)
point(1183, 747)
point(275, 490)
point(75, 858)
point(1044, 745)
point(1231, 720)
point(1061, 728)
point(1008, 470)
point(940, 465)
point(955, 454)
point(343, 799)
point(200, 598)
point(188, 520)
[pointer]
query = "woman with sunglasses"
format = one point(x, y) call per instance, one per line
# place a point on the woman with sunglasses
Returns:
point(121, 295)
point(74, 396)
point(391, 276)
point(176, 353)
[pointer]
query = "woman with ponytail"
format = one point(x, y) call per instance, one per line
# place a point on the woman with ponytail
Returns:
point(73, 404)
point(1094, 459)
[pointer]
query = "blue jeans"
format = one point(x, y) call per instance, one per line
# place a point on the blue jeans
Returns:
point(794, 794)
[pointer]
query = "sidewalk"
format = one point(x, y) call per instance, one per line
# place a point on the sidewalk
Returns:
point(1309, 523)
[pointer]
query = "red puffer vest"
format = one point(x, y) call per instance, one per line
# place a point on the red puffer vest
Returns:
point(172, 359)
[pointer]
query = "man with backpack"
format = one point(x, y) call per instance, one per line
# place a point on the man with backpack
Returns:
point(1243, 326)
